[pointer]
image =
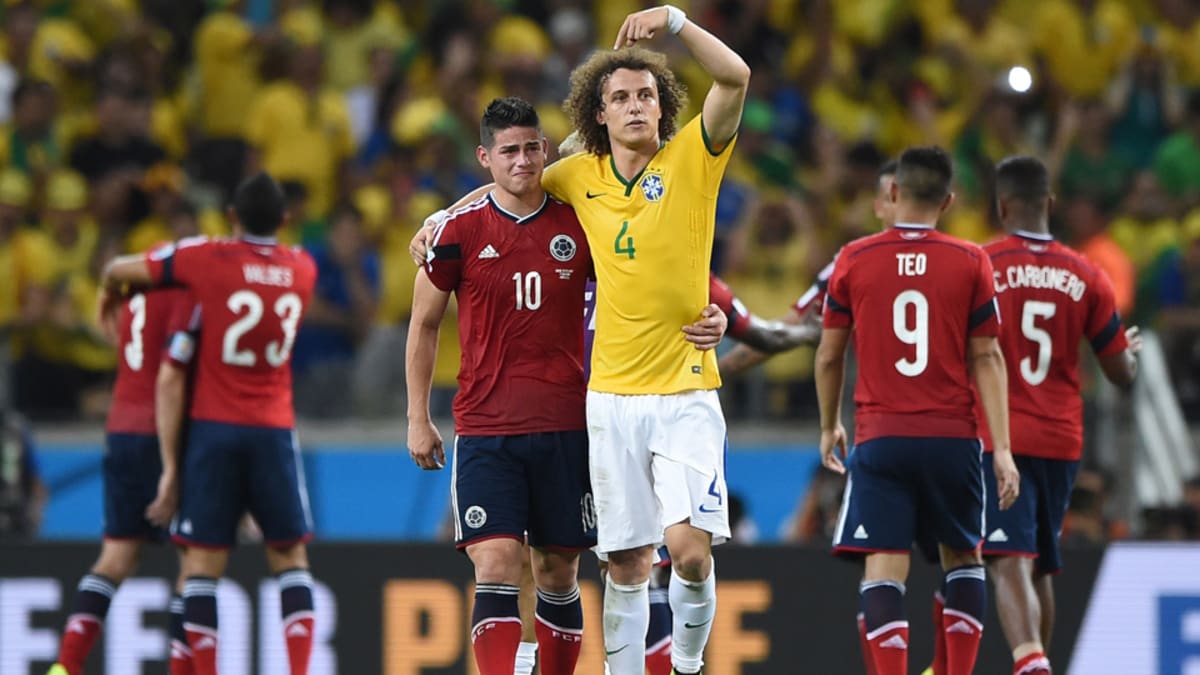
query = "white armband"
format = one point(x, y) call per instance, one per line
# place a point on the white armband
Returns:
point(675, 19)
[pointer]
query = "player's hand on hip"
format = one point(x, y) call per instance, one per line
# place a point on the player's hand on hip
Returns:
point(642, 25)
point(706, 332)
point(1134, 335)
point(1008, 479)
point(833, 448)
point(422, 241)
point(166, 502)
point(425, 445)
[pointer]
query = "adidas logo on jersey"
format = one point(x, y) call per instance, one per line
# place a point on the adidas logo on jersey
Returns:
point(998, 535)
point(488, 252)
point(861, 533)
point(960, 627)
point(894, 642)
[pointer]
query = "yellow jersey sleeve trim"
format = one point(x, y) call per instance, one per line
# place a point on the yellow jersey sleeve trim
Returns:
point(708, 143)
point(627, 183)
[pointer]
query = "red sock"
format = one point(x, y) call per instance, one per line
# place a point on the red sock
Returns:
point(181, 659)
point(204, 651)
point(939, 638)
point(658, 657)
point(77, 640)
point(888, 648)
point(868, 659)
point(298, 634)
point(558, 647)
point(1032, 664)
point(962, 633)
point(495, 643)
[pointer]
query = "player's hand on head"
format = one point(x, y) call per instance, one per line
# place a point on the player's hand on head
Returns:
point(166, 502)
point(833, 448)
point(422, 241)
point(425, 445)
point(706, 332)
point(642, 25)
point(1134, 335)
point(1008, 479)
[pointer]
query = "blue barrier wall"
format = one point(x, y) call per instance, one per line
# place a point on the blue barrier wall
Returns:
point(373, 492)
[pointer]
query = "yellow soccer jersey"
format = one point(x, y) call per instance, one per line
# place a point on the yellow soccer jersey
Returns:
point(651, 237)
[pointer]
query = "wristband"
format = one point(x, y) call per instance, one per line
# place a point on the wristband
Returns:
point(675, 19)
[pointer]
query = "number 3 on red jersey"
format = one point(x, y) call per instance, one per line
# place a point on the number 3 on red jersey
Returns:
point(288, 308)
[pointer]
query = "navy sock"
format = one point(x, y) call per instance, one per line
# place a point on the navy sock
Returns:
point(561, 609)
point(882, 603)
point(493, 601)
point(200, 605)
point(965, 592)
point(295, 593)
point(660, 618)
point(94, 596)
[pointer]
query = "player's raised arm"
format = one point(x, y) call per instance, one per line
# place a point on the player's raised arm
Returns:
point(731, 75)
point(429, 307)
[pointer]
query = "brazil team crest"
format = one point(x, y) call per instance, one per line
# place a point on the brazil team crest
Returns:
point(653, 187)
point(562, 247)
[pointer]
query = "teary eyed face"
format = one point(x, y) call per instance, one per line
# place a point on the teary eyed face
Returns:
point(516, 159)
point(631, 108)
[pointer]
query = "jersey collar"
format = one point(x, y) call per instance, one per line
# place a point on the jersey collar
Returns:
point(912, 226)
point(1036, 236)
point(520, 220)
point(259, 241)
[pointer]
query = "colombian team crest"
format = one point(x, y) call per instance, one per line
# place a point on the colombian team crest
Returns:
point(562, 247)
point(653, 187)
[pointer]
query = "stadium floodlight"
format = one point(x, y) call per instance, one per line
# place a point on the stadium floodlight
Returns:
point(1020, 79)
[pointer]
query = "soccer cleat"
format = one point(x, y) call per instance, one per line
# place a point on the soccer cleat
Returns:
point(927, 671)
point(58, 669)
point(676, 672)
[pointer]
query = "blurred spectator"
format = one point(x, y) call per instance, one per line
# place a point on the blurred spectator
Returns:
point(1087, 520)
point(24, 271)
point(32, 142)
point(1180, 318)
point(23, 495)
point(1087, 231)
point(1082, 158)
point(1148, 232)
point(299, 130)
point(1177, 160)
point(1083, 43)
point(816, 516)
point(120, 145)
point(1168, 523)
point(1145, 102)
point(339, 316)
point(745, 531)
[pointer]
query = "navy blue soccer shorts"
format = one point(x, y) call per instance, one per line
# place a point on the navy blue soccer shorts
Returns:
point(901, 490)
point(132, 467)
point(533, 487)
point(1032, 525)
point(232, 469)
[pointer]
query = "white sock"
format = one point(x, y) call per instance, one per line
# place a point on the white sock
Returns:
point(693, 604)
point(626, 618)
point(526, 658)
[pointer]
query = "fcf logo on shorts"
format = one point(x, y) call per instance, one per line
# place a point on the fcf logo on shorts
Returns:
point(475, 517)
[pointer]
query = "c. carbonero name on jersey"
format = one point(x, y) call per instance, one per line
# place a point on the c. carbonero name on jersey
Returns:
point(1041, 276)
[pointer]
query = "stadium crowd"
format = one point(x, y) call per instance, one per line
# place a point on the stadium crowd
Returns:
point(127, 123)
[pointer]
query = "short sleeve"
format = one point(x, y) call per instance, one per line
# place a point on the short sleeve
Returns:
point(556, 179)
point(1105, 331)
point(444, 264)
point(837, 296)
point(721, 295)
point(814, 297)
point(697, 151)
point(177, 263)
point(985, 312)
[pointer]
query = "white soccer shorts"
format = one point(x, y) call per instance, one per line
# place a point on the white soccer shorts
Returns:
point(656, 460)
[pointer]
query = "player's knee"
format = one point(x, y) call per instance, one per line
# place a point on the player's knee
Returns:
point(118, 559)
point(294, 556)
point(692, 564)
point(556, 572)
point(952, 559)
point(496, 564)
point(1010, 569)
point(632, 566)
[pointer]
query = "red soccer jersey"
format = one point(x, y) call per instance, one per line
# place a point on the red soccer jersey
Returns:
point(148, 323)
point(914, 296)
point(1053, 298)
point(721, 295)
point(252, 293)
point(520, 287)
